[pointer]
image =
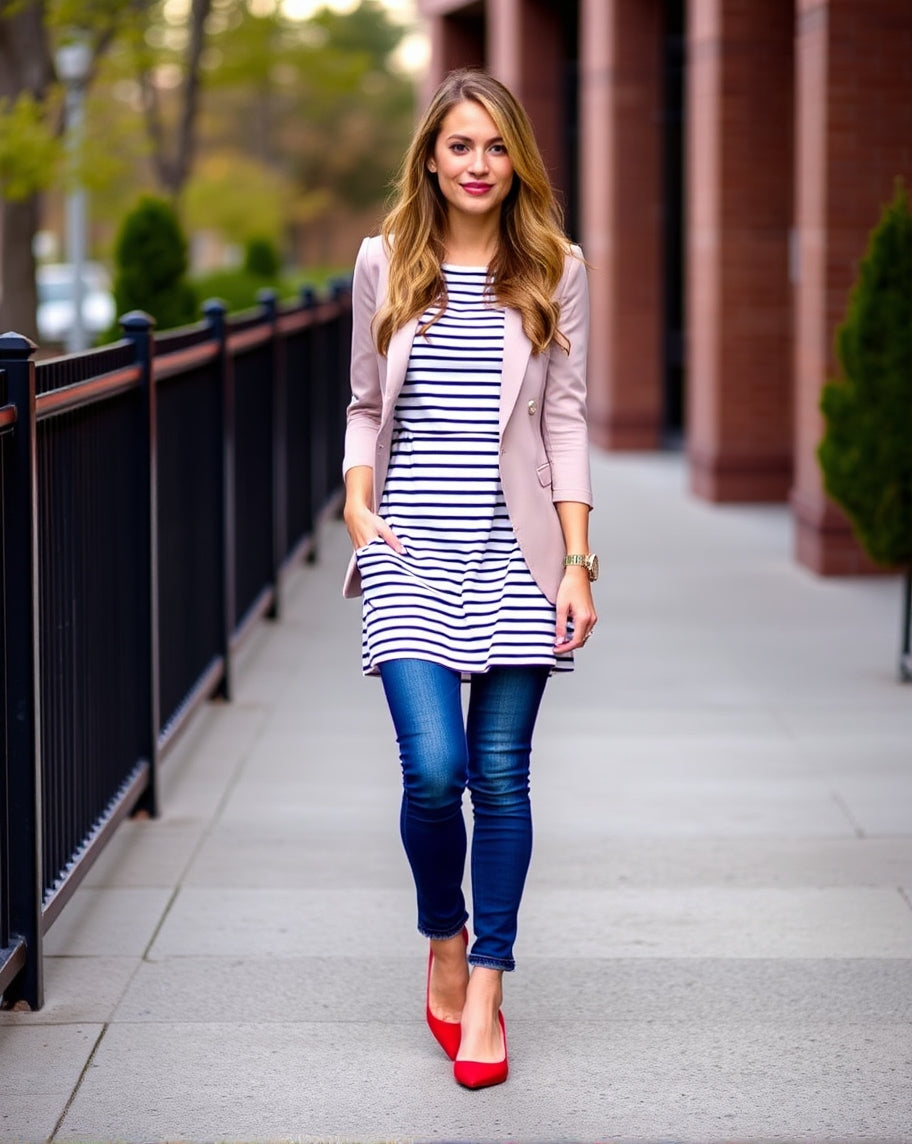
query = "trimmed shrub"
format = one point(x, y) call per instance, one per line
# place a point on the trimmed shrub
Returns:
point(236, 288)
point(151, 265)
point(866, 452)
point(261, 259)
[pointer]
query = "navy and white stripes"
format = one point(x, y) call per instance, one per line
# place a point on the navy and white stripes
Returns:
point(461, 594)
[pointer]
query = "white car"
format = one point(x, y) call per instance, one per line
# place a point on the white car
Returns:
point(55, 301)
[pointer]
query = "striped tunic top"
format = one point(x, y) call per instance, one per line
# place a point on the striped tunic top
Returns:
point(461, 594)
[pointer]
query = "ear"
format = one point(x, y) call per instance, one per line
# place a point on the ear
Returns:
point(432, 166)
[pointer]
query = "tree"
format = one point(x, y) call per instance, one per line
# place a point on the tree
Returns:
point(173, 159)
point(26, 73)
point(314, 102)
point(866, 452)
point(31, 123)
point(248, 120)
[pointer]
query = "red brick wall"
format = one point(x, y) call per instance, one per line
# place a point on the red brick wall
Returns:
point(739, 131)
point(620, 155)
point(853, 137)
point(525, 51)
point(456, 42)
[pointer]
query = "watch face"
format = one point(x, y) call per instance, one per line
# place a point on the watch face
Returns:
point(592, 565)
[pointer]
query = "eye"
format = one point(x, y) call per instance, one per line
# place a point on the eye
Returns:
point(499, 148)
point(458, 148)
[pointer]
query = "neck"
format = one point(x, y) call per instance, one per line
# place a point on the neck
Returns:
point(472, 241)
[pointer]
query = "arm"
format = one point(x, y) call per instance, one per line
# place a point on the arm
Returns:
point(567, 444)
point(364, 409)
point(363, 415)
point(574, 597)
point(564, 429)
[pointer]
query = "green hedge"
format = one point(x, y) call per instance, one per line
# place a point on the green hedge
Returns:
point(239, 288)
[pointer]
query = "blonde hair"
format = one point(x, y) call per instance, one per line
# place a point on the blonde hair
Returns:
point(529, 262)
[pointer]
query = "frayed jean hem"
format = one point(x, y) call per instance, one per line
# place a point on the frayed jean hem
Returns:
point(506, 964)
point(443, 936)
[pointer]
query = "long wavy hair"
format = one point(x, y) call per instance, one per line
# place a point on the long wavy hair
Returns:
point(529, 261)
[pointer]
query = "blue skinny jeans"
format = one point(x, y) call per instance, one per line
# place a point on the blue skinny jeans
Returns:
point(441, 755)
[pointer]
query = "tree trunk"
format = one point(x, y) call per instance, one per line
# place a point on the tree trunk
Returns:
point(18, 224)
point(172, 165)
point(25, 65)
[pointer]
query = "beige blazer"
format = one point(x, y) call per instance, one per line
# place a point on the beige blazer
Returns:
point(544, 453)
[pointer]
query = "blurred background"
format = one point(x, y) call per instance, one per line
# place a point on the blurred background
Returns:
point(723, 163)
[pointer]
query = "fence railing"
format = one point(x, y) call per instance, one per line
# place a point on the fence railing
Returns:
point(152, 495)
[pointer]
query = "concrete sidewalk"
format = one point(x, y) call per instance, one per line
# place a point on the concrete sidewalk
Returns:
point(716, 941)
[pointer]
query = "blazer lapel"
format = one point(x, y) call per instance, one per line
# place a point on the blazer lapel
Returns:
point(516, 351)
point(397, 357)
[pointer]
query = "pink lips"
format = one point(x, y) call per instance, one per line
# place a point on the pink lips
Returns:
point(476, 188)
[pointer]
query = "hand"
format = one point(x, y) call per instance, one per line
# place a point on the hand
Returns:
point(574, 602)
point(364, 526)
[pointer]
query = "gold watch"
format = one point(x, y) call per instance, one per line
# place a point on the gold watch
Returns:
point(589, 562)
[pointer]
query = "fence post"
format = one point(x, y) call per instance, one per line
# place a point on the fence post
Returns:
point(137, 327)
point(23, 732)
point(320, 356)
point(268, 301)
point(215, 311)
point(308, 298)
point(341, 379)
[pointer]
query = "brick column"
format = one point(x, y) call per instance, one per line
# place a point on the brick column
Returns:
point(853, 137)
point(740, 196)
point(457, 40)
point(526, 52)
point(620, 156)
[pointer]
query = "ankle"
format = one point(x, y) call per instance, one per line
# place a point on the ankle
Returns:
point(485, 989)
point(450, 953)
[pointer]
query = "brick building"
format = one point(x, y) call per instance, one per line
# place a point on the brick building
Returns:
point(722, 162)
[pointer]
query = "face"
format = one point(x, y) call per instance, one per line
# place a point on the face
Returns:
point(470, 160)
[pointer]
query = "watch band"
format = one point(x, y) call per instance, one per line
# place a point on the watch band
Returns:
point(588, 560)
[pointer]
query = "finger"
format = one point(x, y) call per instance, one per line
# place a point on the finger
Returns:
point(583, 625)
point(392, 539)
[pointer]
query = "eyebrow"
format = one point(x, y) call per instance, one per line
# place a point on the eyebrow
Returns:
point(469, 139)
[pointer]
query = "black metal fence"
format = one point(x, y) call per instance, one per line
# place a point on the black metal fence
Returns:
point(152, 494)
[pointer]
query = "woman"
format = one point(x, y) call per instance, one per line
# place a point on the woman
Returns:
point(467, 502)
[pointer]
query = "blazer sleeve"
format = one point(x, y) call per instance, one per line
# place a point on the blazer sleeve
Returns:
point(365, 406)
point(564, 428)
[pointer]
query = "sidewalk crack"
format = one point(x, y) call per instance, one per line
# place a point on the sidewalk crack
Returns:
point(853, 821)
point(78, 1084)
point(205, 834)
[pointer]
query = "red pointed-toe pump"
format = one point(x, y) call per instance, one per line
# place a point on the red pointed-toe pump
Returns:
point(483, 1074)
point(446, 1033)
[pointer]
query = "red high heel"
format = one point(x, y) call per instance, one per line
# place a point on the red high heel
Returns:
point(446, 1033)
point(483, 1074)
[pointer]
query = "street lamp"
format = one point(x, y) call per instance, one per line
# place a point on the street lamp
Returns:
point(74, 61)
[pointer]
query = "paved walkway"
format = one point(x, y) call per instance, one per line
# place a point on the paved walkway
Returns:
point(716, 940)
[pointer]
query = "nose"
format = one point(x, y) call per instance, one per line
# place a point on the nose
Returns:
point(479, 162)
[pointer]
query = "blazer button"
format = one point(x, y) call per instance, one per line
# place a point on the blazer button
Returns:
point(533, 408)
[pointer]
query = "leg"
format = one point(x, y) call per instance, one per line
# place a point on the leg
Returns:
point(502, 712)
point(425, 703)
point(426, 706)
